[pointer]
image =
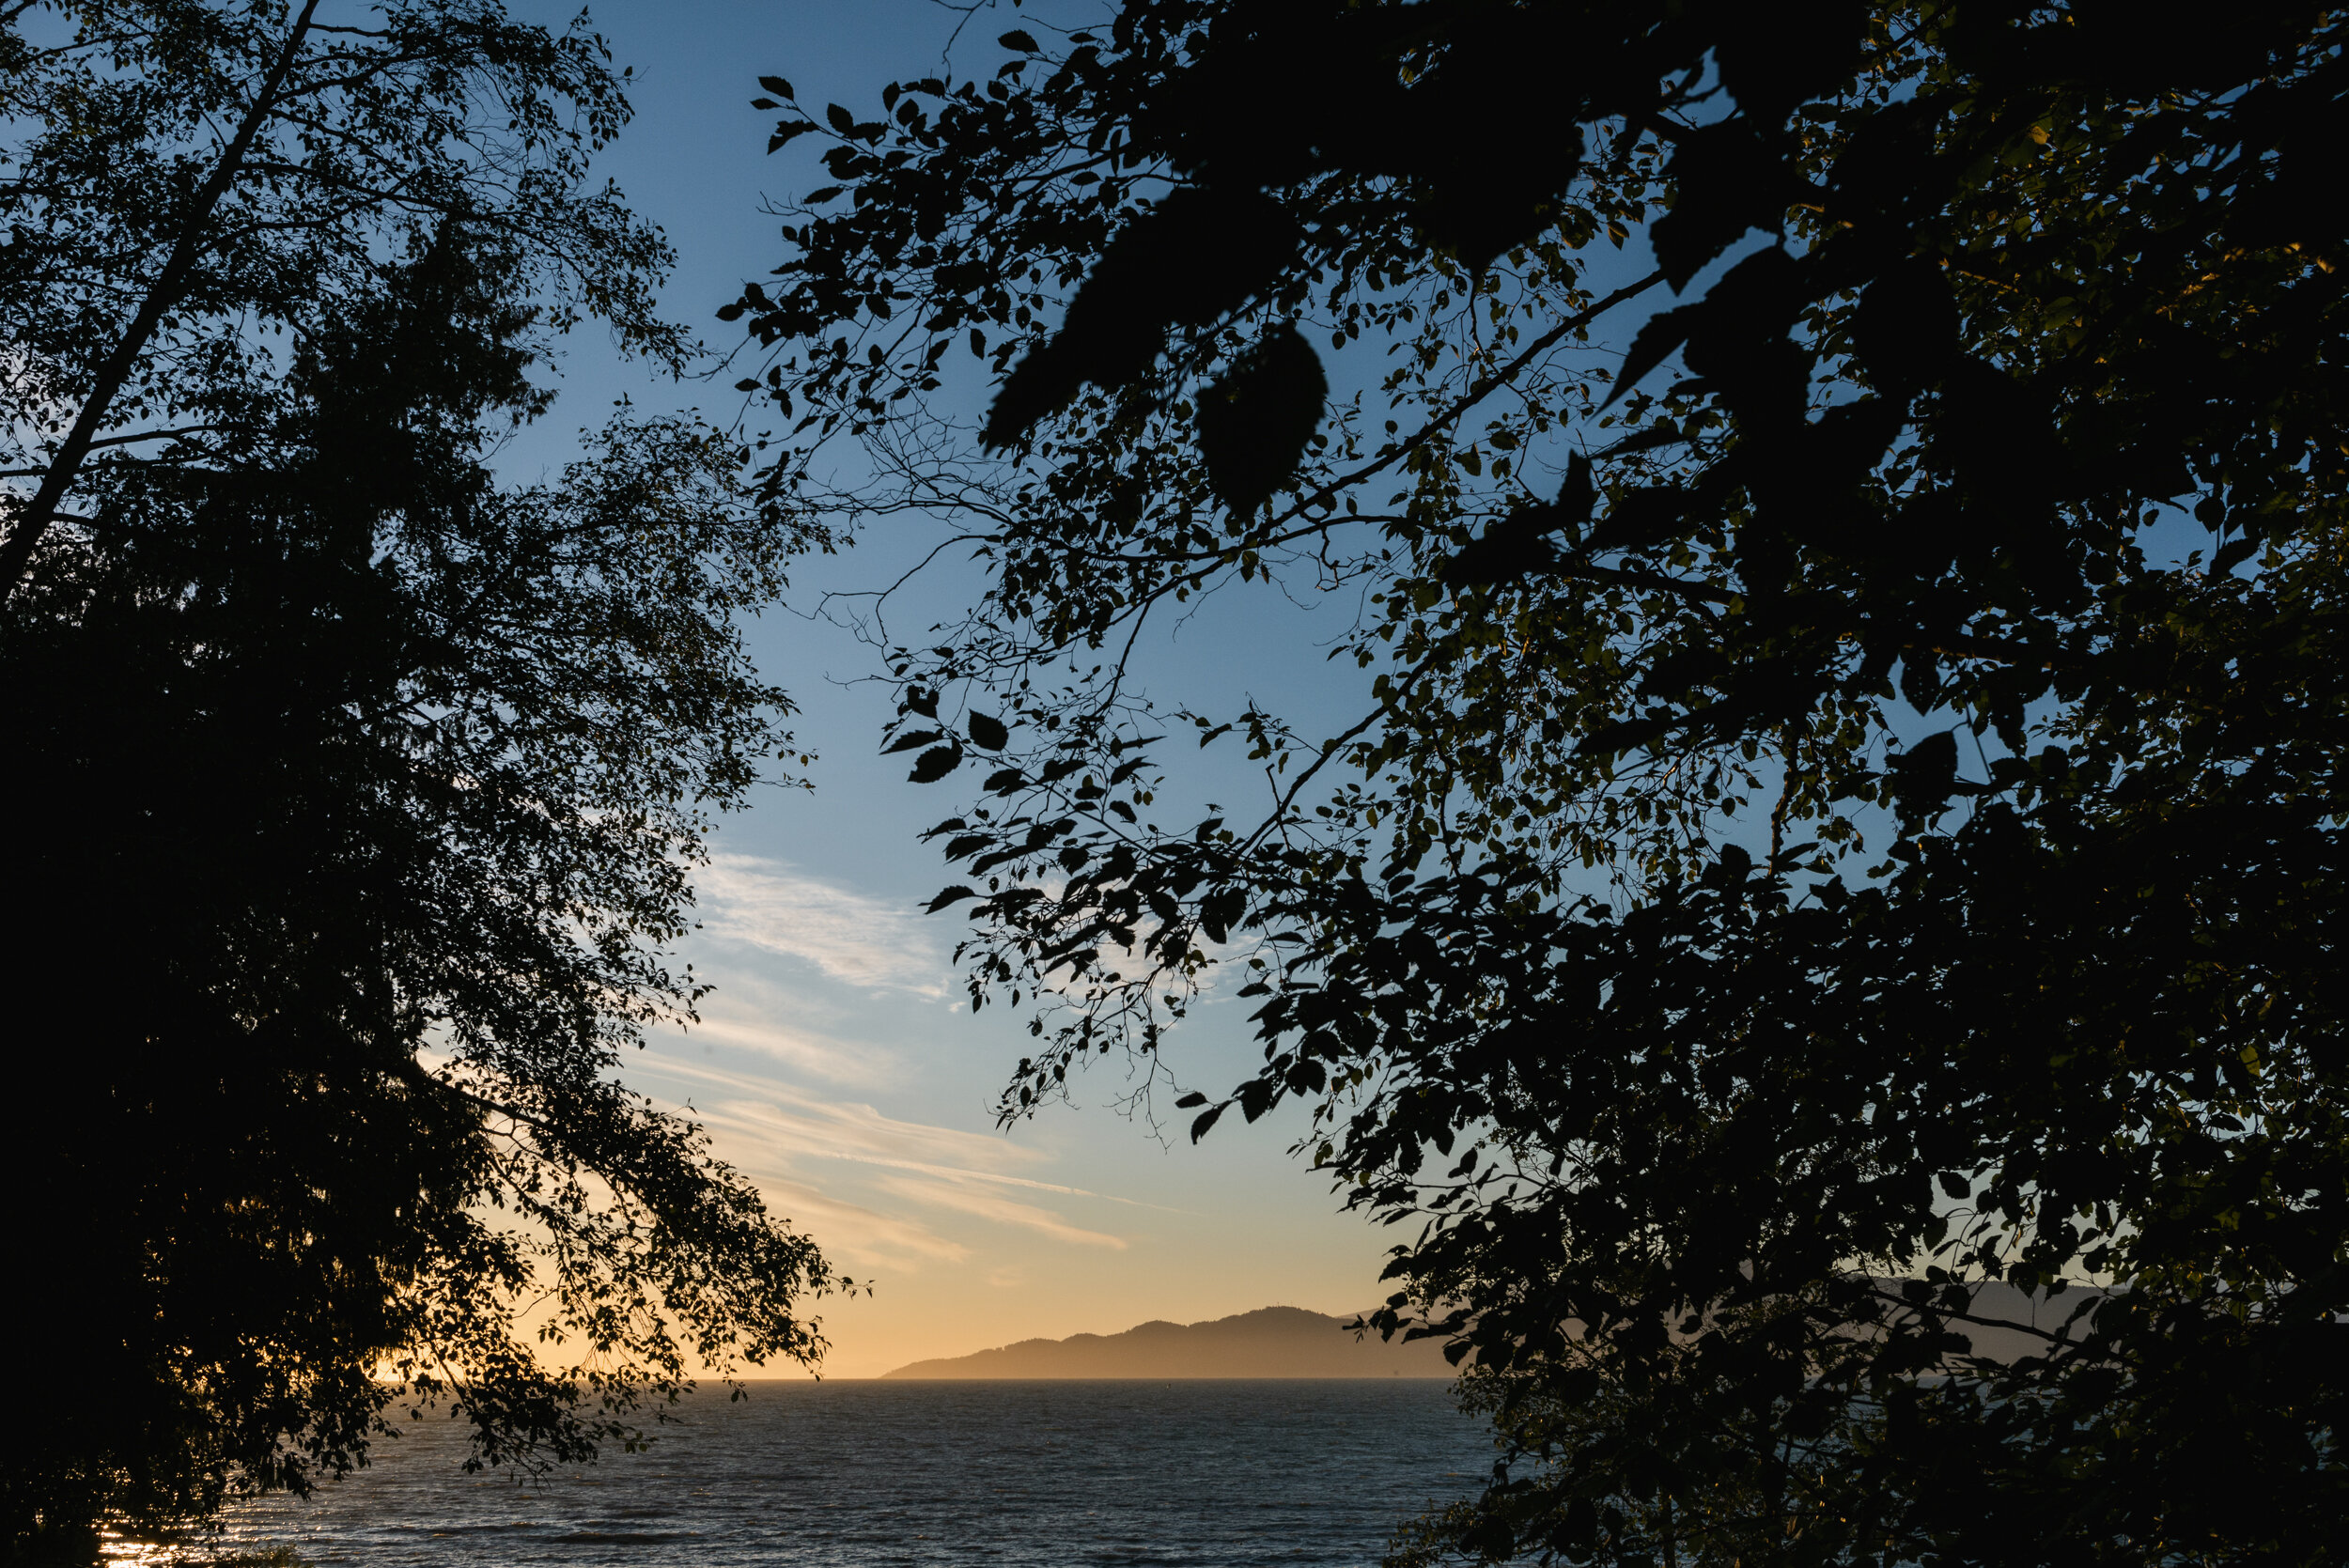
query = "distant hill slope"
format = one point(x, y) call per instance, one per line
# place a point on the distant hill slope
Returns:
point(1271, 1342)
point(1289, 1342)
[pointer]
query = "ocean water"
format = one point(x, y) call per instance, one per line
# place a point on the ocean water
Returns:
point(873, 1474)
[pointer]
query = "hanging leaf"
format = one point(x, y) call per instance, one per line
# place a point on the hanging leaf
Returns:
point(1661, 333)
point(1220, 911)
point(935, 764)
point(1254, 423)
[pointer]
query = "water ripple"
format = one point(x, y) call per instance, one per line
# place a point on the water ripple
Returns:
point(928, 1475)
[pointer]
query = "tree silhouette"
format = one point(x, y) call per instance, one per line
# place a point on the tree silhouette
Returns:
point(1848, 797)
point(356, 796)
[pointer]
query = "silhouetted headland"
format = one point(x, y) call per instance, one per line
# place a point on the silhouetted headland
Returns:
point(1271, 1342)
point(1289, 1342)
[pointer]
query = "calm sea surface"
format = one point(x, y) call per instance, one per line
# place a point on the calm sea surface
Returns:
point(869, 1474)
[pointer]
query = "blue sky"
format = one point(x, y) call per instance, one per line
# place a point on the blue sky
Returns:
point(837, 1064)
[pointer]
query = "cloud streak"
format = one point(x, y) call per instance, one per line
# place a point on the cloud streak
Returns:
point(1002, 1211)
point(858, 1237)
point(820, 1055)
point(807, 1124)
point(769, 1128)
point(860, 940)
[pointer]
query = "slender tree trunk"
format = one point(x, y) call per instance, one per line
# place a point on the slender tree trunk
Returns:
point(169, 284)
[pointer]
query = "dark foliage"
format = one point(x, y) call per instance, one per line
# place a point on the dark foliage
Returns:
point(1850, 805)
point(355, 802)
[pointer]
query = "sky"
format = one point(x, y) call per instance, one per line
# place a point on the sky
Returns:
point(838, 1065)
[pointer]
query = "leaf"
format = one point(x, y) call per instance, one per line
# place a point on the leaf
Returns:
point(1663, 332)
point(786, 134)
point(989, 733)
point(1190, 261)
point(1479, 207)
point(1018, 41)
point(911, 739)
point(2230, 557)
point(1220, 909)
point(1508, 549)
point(954, 895)
point(1730, 181)
point(1256, 422)
point(1194, 1097)
point(780, 88)
point(1208, 1118)
point(935, 764)
point(1578, 495)
point(839, 118)
point(1924, 776)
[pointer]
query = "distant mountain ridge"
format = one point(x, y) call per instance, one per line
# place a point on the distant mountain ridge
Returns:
point(1271, 1342)
point(1290, 1341)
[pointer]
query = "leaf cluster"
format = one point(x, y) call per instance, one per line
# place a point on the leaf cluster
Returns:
point(1846, 797)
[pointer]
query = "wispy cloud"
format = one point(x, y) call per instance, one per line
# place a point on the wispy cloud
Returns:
point(855, 1236)
point(819, 1055)
point(792, 1118)
point(1001, 1180)
point(968, 1199)
point(772, 1129)
point(848, 935)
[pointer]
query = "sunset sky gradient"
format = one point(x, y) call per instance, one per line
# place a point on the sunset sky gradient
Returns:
point(838, 1063)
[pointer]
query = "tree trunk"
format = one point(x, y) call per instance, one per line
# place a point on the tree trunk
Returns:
point(169, 284)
